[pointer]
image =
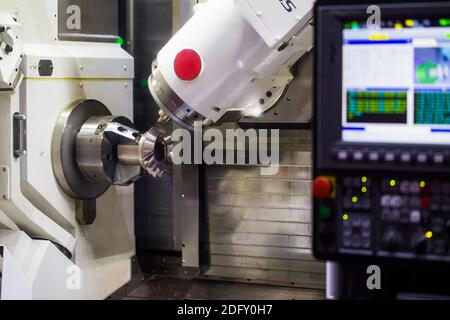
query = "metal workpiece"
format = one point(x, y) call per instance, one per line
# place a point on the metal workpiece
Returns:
point(64, 159)
point(152, 152)
point(84, 150)
point(97, 145)
point(93, 150)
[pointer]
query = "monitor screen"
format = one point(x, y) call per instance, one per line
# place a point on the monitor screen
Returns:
point(396, 82)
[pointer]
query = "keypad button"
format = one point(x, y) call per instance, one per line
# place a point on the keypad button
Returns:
point(385, 201)
point(405, 157)
point(374, 156)
point(356, 242)
point(405, 187)
point(422, 158)
point(366, 243)
point(439, 158)
point(414, 188)
point(358, 155)
point(414, 216)
point(396, 202)
point(343, 155)
point(364, 203)
point(389, 157)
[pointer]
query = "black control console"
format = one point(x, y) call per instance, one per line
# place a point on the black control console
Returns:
point(382, 132)
point(396, 216)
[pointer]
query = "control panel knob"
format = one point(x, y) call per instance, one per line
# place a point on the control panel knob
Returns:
point(420, 244)
point(390, 241)
point(322, 187)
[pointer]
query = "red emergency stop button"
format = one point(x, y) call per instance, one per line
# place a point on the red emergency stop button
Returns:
point(322, 187)
point(188, 64)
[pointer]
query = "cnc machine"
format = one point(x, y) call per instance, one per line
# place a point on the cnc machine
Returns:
point(69, 151)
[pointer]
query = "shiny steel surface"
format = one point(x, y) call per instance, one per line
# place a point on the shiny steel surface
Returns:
point(65, 167)
point(170, 287)
point(129, 154)
point(152, 151)
point(169, 101)
point(260, 226)
point(97, 156)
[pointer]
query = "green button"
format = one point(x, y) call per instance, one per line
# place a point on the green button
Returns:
point(120, 41)
point(325, 213)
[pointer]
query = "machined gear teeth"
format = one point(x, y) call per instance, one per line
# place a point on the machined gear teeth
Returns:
point(153, 167)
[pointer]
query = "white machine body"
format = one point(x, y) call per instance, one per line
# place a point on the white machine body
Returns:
point(35, 213)
point(10, 50)
point(246, 48)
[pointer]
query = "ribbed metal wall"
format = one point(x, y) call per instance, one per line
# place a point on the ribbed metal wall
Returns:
point(260, 226)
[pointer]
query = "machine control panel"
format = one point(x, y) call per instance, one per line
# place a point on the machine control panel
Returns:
point(392, 216)
point(382, 133)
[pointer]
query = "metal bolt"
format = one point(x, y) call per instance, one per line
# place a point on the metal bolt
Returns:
point(81, 67)
point(259, 13)
point(126, 84)
point(125, 67)
point(81, 84)
point(182, 195)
